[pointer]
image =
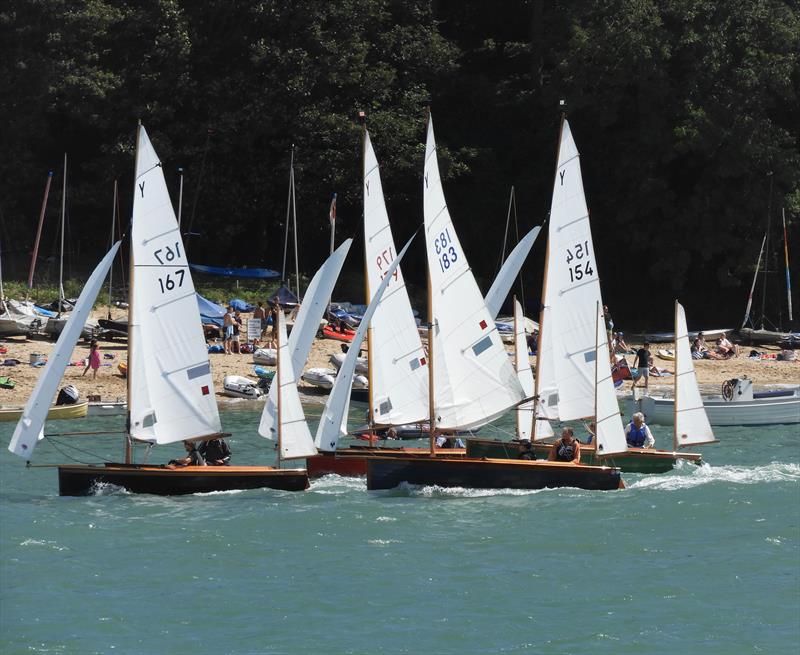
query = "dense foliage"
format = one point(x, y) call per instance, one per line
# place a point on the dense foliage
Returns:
point(685, 111)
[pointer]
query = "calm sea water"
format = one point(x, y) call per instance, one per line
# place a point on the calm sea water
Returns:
point(703, 559)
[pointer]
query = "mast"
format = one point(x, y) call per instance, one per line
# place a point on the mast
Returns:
point(130, 373)
point(39, 233)
point(753, 286)
point(111, 270)
point(596, 368)
point(294, 234)
point(288, 215)
point(431, 395)
point(766, 259)
point(279, 432)
point(370, 387)
point(61, 259)
point(516, 349)
point(675, 444)
point(786, 256)
point(180, 196)
point(544, 290)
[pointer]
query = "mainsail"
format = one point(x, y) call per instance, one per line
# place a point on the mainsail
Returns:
point(398, 364)
point(609, 433)
point(522, 364)
point(566, 367)
point(29, 427)
point(474, 381)
point(691, 422)
point(333, 421)
point(172, 393)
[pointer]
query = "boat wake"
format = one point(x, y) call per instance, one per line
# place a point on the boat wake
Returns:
point(705, 474)
point(435, 491)
point(336, 485)
point(107, 489)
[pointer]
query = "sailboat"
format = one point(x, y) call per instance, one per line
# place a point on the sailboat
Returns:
point(170, 388)
point(573, 379)
point(471, 381)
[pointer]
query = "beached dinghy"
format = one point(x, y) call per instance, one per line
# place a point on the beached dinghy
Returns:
point(238, 386)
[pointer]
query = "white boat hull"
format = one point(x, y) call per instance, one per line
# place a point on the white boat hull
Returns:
point(236, 386)
point(112, 408)
point(761, 411)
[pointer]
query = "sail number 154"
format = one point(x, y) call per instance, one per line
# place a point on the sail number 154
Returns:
point(583, 267)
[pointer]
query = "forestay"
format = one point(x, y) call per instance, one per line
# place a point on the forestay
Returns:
point(398, 363)
point(572, 292)
point(474, 380)
point(295, 437)
point(333, 422)
point(609, 432)
point(305, 327)
point(30, 425)
point(691, 422)
point(172, 393)
point(522, 364)
point(509, 272)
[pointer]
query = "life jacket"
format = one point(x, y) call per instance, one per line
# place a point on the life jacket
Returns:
point(637, 436)
point(564, 452)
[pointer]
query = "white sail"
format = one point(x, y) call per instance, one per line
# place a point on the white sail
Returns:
point(398, 363)
point(509, 272)
point(172, 393)
point(333, 422)
point(691, 422)
point(522, 364)
point(305, 328)
point(609, 432)
point(474, 380)
point(29, 427)
point(572, 291)
point(295, 437)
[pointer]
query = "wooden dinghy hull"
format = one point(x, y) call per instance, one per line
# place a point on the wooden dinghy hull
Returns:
point(57, 412)
point(636, 460)
point(80, 480)
point(390, 472)
point(352, 462)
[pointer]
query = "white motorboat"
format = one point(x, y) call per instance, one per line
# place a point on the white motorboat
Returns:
point(738, 404)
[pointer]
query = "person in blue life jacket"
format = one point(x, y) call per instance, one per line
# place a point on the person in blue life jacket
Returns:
point(637, 434)
point(591, 431)
point(566, 449)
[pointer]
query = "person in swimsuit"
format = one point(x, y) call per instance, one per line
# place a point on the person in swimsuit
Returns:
point(643, 365)
point(566, 449)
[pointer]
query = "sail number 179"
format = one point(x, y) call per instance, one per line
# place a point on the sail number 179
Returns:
point(583, 267)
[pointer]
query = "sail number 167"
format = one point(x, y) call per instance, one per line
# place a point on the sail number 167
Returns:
point(583, 267)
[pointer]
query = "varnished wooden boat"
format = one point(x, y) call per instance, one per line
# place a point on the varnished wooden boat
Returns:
point(57, 412)
point(390, 472)
point(82, 480)
point(352, 461)
point(636, 460)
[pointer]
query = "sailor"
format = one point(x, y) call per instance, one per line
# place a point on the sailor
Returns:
point(216, 452)
point(637, 434)
point(193, 457)
point(525, 450)
point(566, 449)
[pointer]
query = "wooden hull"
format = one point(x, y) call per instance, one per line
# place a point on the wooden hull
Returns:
point(390, 472)
point(57, 412)
point(80, 480)
point(636, 460)
point(352, 462)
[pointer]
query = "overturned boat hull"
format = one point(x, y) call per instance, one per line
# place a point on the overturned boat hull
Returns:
point(390, 472)
point(81, 480)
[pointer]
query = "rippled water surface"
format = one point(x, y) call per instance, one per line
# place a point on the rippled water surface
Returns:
point(700, 560)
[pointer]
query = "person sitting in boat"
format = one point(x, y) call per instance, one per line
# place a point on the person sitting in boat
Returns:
point(193, 457)
point(216, 452)
point(448, 442)
point(566, 449)
point(592, 430)
point(525, 450)
point(637, 434)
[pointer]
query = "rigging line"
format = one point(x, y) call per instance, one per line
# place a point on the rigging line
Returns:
point(55, 443)
point(209, 132)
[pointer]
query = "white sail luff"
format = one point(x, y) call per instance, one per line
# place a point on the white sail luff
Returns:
point(609, 431)
point(330, 424)
point(691, 422)
point(474, 381)
point(30, 425)
point(508, 273)
point(172, 397)
point(522, 364)
point(306, 326)
point(295, 441)
point(398, 369)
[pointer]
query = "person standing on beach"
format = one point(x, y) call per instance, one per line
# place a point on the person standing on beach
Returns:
point(227, 323)
point(93, 361)
point(643, 365)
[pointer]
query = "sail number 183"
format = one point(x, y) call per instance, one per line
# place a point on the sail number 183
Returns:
point(579, 253)
point(445, 251)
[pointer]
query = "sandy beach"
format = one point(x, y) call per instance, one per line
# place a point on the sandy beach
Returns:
point(111, 385)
